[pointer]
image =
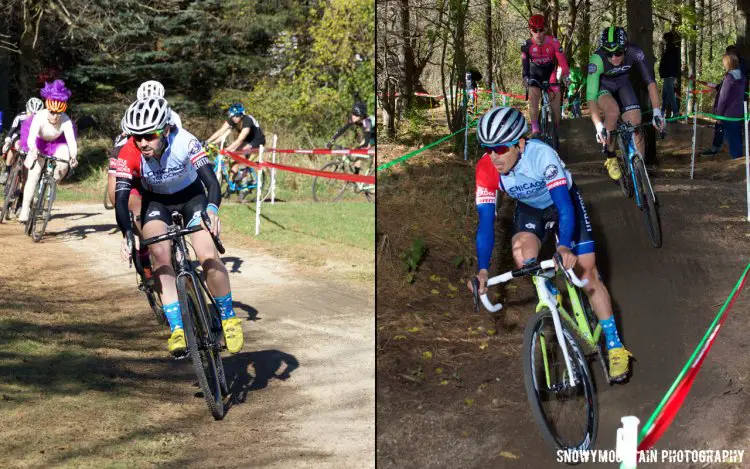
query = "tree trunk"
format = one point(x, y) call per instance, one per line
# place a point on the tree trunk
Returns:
point(572, 18)
point(554, 17)
point(454, 105)
point(710, 32)
point(701, 23)
point(692, 55)
point(742, 18)
point(584, 35)
point(407, 55)
point(488, 37)
point(641, 32)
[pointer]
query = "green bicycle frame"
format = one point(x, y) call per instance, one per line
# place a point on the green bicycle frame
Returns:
point(578, 321)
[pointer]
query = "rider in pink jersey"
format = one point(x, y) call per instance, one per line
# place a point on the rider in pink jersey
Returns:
point(541, 55)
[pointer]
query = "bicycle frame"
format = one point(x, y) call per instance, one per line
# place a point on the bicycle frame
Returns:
point(547, 300)
point(625, 134)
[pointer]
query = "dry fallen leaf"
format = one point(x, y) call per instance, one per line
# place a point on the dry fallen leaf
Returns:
point(438, 370)
point(413, 329)
point(399, 337)
point(451, 287)
point(469, 402)
point(435, 291)
point(507, 454)
point(491, 332)
point(483, 346)
point(427, 355)
point(443, 382)
point(435, 278)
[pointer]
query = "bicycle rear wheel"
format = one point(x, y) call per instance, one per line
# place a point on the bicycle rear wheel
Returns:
point(43, 212)
point(201, 343)
point(567, 416)
point(649, 205)
point(11, 192)
point(326, 189)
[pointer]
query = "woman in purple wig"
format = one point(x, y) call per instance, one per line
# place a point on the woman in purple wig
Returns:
point(50, 132)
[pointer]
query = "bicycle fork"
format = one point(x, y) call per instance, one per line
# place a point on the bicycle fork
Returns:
point(547, 299)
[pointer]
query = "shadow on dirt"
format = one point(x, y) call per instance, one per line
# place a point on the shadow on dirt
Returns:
point(80, 232)
point(268, 365)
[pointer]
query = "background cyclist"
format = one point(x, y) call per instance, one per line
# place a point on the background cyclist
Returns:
point(250, 135)
point(33, 106)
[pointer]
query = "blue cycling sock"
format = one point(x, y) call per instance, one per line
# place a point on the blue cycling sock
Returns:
point(225, 306)
point(174, 316)
point(610, 332)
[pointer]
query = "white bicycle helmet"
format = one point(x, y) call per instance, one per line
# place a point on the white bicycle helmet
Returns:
point(34, 105)
point(501, 125)
point(146, 115)
point(150, 88)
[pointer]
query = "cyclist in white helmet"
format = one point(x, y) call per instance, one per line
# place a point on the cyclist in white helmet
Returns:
point(12, 142)
point(531, 172)
point(173, 169)
point(154, 88)
point(146, 89)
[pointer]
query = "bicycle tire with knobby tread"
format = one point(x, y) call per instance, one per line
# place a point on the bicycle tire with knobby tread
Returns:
point(10, 191)
point(189, 303)
point(579, 360)
point(337, 166)
point(649, 206)
point(44, 209)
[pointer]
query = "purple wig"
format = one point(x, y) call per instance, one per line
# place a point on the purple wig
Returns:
point(55, 91)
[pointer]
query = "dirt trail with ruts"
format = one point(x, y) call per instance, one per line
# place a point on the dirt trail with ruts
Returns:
point(85, 380)
point(467, 407)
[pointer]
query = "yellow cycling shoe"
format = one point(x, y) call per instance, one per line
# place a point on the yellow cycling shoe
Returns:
point(233, 334)
point(613, 168)
point(176, 343)
point(619, 364)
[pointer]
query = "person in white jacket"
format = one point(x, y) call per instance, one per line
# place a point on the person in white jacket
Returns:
point(51, 133)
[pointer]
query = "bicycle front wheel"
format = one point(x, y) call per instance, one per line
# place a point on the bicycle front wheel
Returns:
point(566, 415)
point(11, 192)
point(649, 205)
point(43, 212)
point(326, 189)
point(201, 344)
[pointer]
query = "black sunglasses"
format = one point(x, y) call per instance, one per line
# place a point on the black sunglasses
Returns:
point(536, 30)
point(618, 53)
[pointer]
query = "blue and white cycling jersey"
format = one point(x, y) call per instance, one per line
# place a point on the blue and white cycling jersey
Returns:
point(537, 172)
point(174, 171)
point(539, 179)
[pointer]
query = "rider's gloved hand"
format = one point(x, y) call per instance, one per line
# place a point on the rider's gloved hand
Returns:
point(526, 82)
point(601, 133)
point(482, 276)
point(566, 81)
point(658, 120)
point(6, 145)
point(73, 162)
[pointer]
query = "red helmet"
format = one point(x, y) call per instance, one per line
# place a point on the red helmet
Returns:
point(536, 22)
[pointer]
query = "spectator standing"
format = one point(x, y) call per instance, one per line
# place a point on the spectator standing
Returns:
point(730, 103)
point(718, 139)
point(669, 71)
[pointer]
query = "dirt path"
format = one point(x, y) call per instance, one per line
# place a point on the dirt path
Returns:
point(86, 382)
point(468, 408)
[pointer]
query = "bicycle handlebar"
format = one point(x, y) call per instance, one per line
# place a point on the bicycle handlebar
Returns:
point(176, 233)
point(523, 271)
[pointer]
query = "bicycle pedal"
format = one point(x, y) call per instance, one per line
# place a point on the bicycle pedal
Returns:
point(181, 355)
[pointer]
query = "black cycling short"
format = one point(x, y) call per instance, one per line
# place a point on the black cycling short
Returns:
point(189, 202)
point(620, 89)
point(541, 74)
point(534, 220)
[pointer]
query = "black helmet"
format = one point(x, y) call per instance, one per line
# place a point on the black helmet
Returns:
point(359, 109)
point(613, 39)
